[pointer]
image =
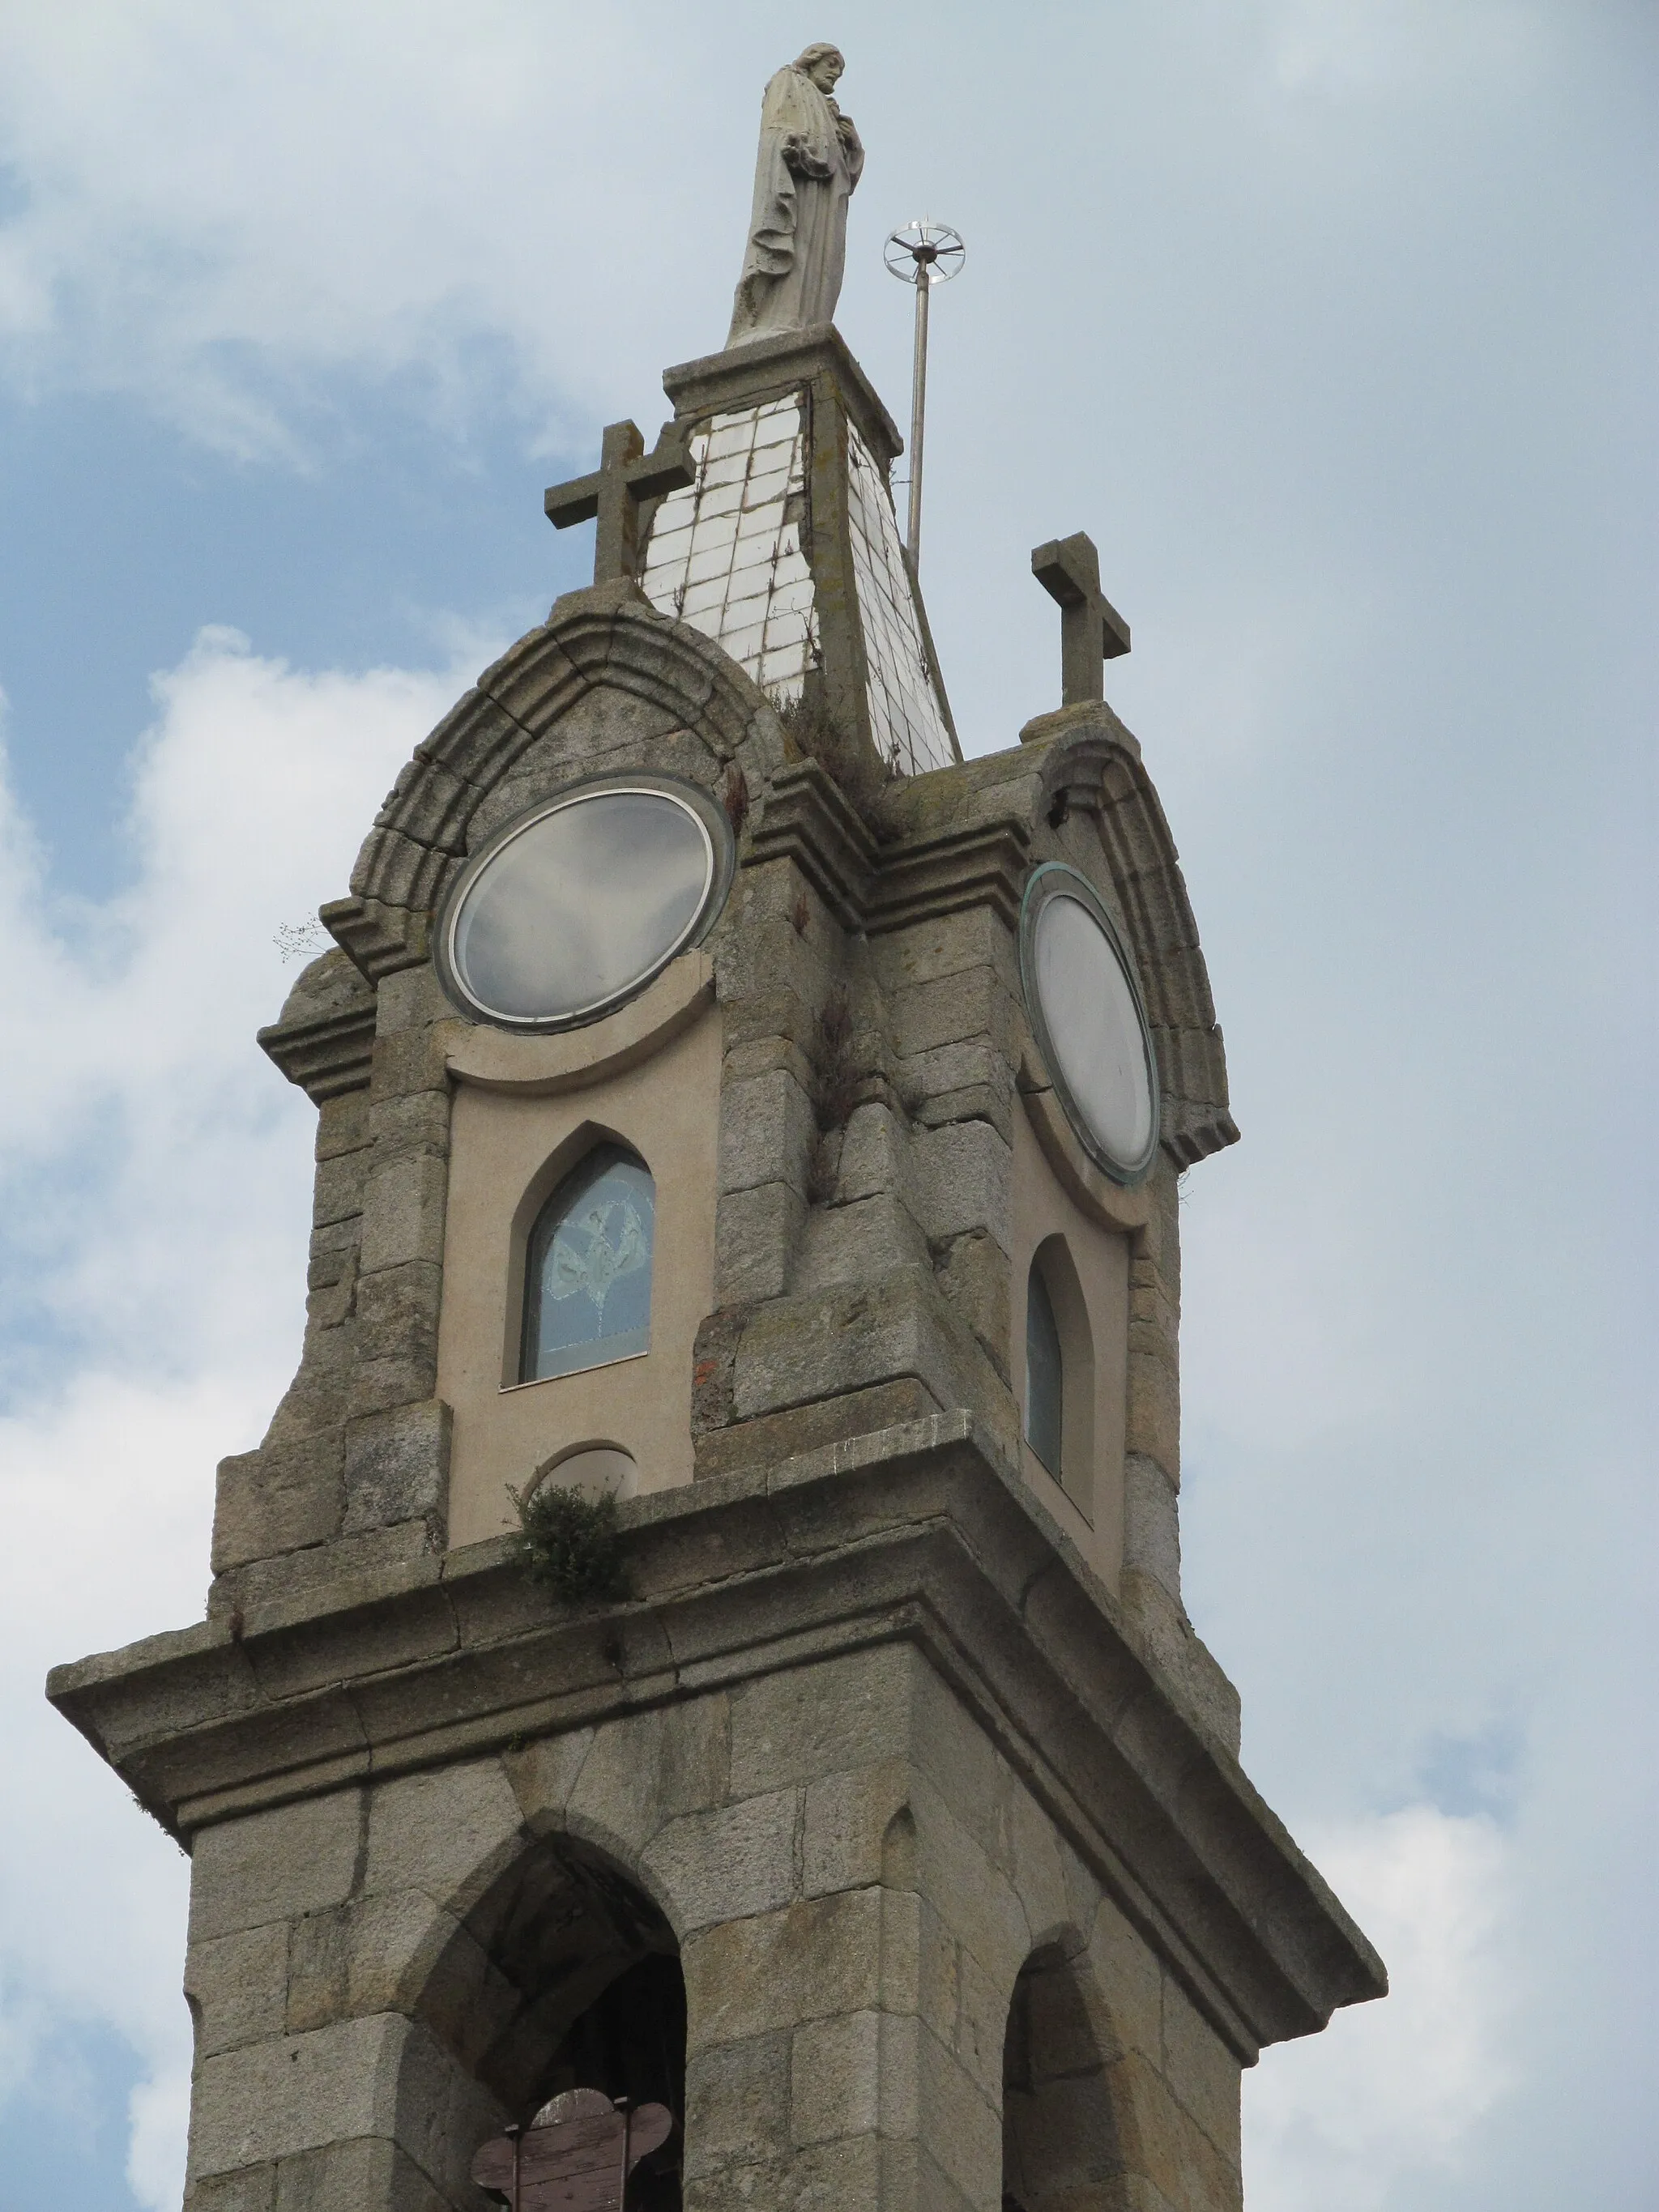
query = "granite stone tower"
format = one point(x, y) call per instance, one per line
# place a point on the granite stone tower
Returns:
point(733, 1103)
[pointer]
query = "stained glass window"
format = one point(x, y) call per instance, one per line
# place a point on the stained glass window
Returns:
point(587, 1270)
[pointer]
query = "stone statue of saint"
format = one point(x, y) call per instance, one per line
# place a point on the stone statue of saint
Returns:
point(809, 160)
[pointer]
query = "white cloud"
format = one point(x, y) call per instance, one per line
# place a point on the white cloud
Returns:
point(153, 1172)
point(216, 205)
point(1391, 2090)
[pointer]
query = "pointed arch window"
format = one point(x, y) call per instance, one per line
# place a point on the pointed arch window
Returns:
point(1059, 1420)
point(1045, 1375)
point(588, 1268)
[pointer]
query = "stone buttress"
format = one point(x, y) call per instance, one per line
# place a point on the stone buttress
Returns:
point(897, 1810)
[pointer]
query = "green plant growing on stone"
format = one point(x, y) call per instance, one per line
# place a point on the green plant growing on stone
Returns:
point(572, 1544)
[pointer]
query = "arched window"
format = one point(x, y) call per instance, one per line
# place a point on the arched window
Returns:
point(1067, 2140)
point(1045, 1376)
point(1059, 1411)
point(587, 1268)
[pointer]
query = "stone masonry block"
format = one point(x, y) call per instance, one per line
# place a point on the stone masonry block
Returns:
point(236, 1985)
point(801, 1349)
point(974, 1898)
point(821, 2178)
point(616, 1801)
point(847, 1817)
point(981, 2023)
point(798, 1725)
point(1130, 1980)
point(898, 2110)
point(962, 1176)
point(768, 1132)
point(947, 945)
point(412, 1120)
point(268, 1866)
point(396, 1465)
point(543, 1773)
point(440, 2113)
point(728, 1864)
point(650, 1768)
point(272, 2101)
point(251, 2189)
point(933, 1084)
point(814, 1959)
point(361, 1957)
point(938, 1974)
point(961, 2126)
point(410, 999)
point(397, 1314)
point(757, 1232)
point(338, 1189)
point(696, 1753)
point(975, 1003)
point(404, 1212)
point(1151, 1523)
point(963, 1764)
point(1068, 2024)
point(1176, 2156)
point(279, 1499)
point(974, 1274)
point(871, 1154)
point(447, 1832)
point(408, 1063)
point(1030, 1857)
point(847, 1244)
point(349, 2176)
point(737, 2104)
point(1201, 2071)
point(1070, 2139)
point(833, 2077)
point(342, 1125)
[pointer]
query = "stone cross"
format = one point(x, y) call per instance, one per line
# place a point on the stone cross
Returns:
point(1091, 628)
point(626, 475)
point(575, 2155)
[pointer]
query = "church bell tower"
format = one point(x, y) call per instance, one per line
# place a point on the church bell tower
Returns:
point(748, 1138)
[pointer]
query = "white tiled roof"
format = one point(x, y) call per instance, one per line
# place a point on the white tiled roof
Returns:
point(726, 555)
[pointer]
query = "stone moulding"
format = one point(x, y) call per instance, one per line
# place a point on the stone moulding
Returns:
point(914, 1532)
point(610, 637)
point(326, 1056)
point(1094, 768)
point(544, 1066)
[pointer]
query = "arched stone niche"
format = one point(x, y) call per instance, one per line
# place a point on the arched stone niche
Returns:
point(564, 1974)
point(1069, 2140)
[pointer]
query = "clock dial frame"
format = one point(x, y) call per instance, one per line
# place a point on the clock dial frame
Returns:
point(571, 908)
point(1104, 1076)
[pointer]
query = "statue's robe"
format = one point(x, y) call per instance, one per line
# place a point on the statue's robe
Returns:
point(809, 160)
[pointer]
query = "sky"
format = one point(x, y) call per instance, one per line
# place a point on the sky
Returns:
point(1332, 322)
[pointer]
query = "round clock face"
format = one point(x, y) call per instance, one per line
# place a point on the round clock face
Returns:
point(1085, 1008)
point(574, 907)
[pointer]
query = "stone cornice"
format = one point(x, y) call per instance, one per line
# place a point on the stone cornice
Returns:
point(806, 818)
point(743, 375)
point(326, 1055)
point(912, 1533)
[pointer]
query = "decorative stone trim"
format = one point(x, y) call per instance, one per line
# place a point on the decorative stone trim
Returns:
point(915, 1534)
point(326, 1056)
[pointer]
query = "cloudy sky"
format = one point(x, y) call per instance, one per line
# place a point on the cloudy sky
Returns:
point(1333, 321)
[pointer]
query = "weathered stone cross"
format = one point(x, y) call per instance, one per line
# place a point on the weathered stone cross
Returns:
point(1091, 628)
point(626, 475)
